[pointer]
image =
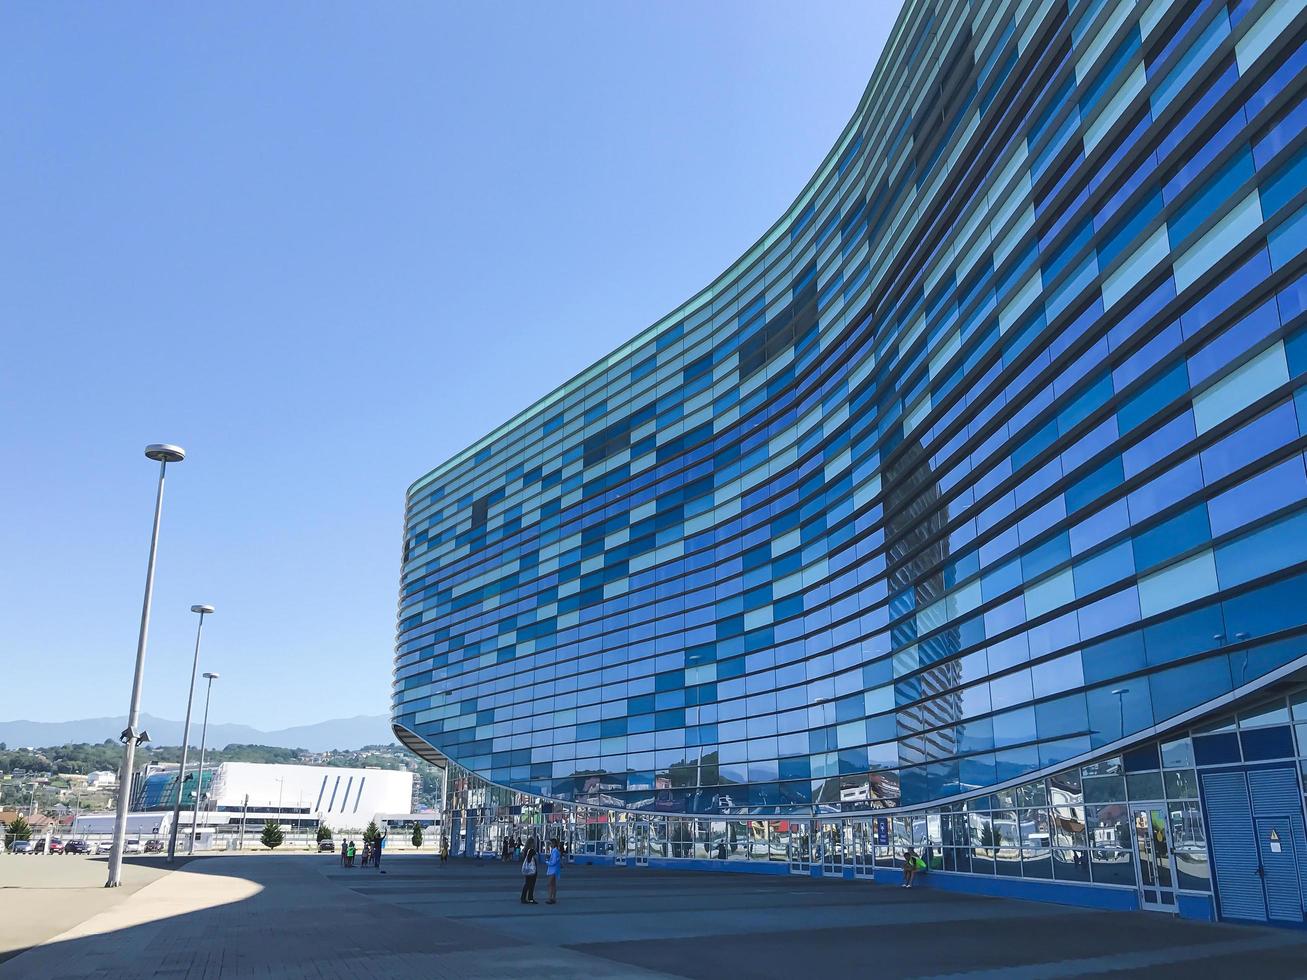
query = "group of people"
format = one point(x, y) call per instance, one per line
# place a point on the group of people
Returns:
point(511, 849)
point(371, 853)
point(530, 869)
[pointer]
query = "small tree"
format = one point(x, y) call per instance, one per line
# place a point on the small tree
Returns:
point(417, 835)
point(372, 834)
point(324, 832)
point(272, 835)
point(18, 829)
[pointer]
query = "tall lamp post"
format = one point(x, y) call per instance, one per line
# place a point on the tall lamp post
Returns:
point(204, 735)
point(163, 455)
point(186, 735)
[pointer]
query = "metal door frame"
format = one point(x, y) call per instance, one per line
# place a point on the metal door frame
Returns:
point(832, 828)
point(801, 864)
point(620, 832)
point(640, 832)
point(1150, 808)
point(864, 844)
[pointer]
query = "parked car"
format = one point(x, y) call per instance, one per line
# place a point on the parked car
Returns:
point(21, 847)
point(133, 846)
point(56, 846)
point(153, 846)
point(77, 847)
point(326, 845)
point(103, 846)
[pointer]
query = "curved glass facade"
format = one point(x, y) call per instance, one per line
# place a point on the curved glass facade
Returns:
point(987, 461)
point(159, 790)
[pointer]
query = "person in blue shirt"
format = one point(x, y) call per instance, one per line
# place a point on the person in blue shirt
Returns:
point(552, 870)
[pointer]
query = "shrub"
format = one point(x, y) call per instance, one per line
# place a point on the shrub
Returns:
point(272, 835)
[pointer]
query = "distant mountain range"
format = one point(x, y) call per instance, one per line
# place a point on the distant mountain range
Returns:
point(339, 733)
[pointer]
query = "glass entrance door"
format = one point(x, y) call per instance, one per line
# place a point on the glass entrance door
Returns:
point(640, 843)
point(801, 847)
point(1153, 857)
point(619, 828)
point(832, 847)
point(864, 861)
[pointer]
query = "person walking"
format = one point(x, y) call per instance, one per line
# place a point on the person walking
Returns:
point(529, 876)
point(444, 849)
point(344, 853)
point(367, 853)
point(376, 852)
point(552, 870)
point(350, 862)
point(909, 867)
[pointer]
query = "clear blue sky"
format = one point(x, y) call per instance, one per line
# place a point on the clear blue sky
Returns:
point(325, 246)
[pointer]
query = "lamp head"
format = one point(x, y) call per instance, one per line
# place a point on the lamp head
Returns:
point(210, 675)
point(162, 452)
point(201, 609)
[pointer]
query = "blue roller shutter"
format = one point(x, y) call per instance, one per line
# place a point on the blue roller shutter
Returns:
point(1234, 846)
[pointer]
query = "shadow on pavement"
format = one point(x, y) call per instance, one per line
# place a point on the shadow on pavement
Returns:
point(306, 916)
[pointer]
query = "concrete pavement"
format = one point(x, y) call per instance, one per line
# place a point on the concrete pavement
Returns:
point(41, 895)
point(305, 916)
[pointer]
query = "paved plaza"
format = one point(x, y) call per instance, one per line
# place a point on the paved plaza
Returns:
point(306, 916)
point(42, 897)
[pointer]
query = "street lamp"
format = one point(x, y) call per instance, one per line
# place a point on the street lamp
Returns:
point(204, 734)
point(163, 455)
point(186, 734)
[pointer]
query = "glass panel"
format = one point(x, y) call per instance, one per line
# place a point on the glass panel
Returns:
point(1112, 867)
point(1071, 865)
point(1161, 847)
point(1148, 871)
point(984, 842)
point(1298, 703)
point(1144, 785)
point(1272, 713)
point(1007, 838)
point(1109, 826)
point(1104, 767)
point(1189, 844)
point(1101, 789)
point(1036, 836)
point(1178, 754)
point(1181, 784)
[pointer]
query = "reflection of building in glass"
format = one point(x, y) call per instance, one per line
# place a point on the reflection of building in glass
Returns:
point(956, 513)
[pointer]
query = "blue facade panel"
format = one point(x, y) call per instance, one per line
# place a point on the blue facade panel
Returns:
point(985, 463)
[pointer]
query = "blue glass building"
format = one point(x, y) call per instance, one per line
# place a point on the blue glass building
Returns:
point(968, 509)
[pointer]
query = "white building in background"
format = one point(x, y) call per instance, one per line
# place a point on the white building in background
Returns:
point(102, 779)
point(297, 797)
point(340, 798)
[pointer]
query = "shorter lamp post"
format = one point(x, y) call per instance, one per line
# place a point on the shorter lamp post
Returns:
point(203, 610)
point(199, 784)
